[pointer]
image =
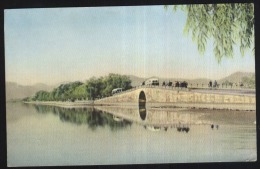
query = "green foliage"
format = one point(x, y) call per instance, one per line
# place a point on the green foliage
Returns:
point(27, 99)
point(104, 85)
point(93, 88)
point(80, 92)
point(42, 96)
point(113, 81)
point(88, 116)
point(226, 24)
point(62, 93)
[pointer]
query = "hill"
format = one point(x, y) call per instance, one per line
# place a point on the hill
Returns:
point(136, 81)
point(234, 77)
point(237, 77)
point(17, 91)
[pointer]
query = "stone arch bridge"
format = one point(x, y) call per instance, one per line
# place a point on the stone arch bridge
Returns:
point(168, 97)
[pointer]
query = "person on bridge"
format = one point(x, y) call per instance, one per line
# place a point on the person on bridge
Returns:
point(212, 126)
point(177, 84)
point(163, 84)
point(210, 84)
point(215, 84)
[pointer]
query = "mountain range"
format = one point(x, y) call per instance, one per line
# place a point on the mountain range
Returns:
point(235, 78)
point(16, 91)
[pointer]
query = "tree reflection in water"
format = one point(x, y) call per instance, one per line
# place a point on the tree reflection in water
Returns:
point(96, 117)
point(90, 116)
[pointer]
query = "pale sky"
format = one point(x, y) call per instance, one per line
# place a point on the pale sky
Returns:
point(67, 44)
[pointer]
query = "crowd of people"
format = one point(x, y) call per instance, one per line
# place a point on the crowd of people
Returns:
point(176, 84)
point(183, 84)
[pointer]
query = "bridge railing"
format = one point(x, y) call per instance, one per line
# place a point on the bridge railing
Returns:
point(219, 86)
point(144, 86)
point(189, 87)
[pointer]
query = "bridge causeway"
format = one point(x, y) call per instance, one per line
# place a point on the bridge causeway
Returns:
point(184, 97)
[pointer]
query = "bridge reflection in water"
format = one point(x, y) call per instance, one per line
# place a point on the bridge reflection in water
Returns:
point(87, 134)
point(142, 105)
point(121, 117)
point(152, 119)
point(155, 119)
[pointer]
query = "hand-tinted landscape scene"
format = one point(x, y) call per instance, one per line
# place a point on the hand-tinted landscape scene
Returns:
point(130, 85)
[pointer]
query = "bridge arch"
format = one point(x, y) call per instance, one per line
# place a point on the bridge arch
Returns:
point(142, 98)
point(142, 105)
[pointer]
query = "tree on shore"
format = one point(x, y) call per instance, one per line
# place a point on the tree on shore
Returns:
point(226, 24)
point(113, 81)
point(100, 87)
point(42, 96)
point(93, 88)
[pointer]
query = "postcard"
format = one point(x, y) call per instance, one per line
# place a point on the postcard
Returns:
point(130, 85)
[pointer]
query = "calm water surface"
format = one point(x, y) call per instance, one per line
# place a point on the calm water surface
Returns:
point(45, 135)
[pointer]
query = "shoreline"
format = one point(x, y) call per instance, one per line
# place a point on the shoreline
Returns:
point(198, 106)
point(63, 104)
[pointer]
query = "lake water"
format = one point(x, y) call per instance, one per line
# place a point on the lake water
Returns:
point(50, 136)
